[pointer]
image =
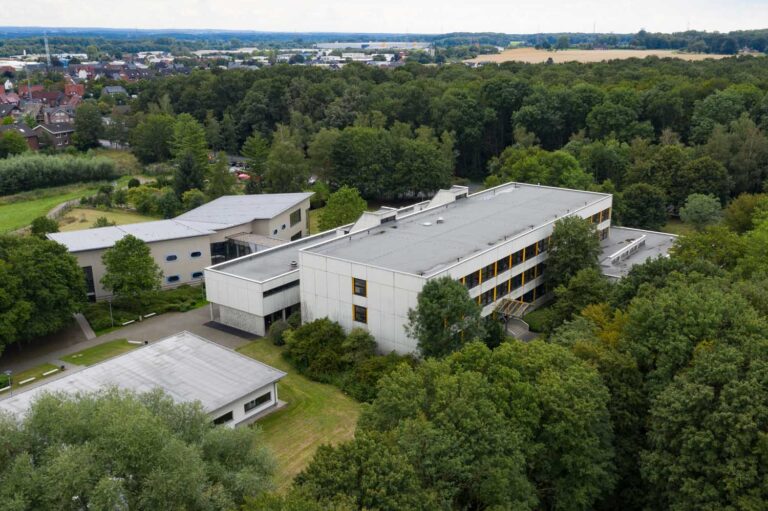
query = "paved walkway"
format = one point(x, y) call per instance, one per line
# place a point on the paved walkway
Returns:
point(72, 339)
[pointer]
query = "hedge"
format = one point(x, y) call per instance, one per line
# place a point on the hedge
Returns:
point(30, 171)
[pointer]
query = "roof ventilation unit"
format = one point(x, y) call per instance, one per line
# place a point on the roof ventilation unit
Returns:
point(294, 264)
point(440, 220)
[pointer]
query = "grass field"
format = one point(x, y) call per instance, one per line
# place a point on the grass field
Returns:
point(90, 356)
point(84, 218)
point(17, 211)
point(676, 226)
point(314, 220)
point(35, 372)
point(316, 414)
point(534, 56)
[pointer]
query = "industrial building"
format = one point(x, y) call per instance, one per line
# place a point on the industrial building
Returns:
point(369, 275)
point(232, 388)
point(223, 229)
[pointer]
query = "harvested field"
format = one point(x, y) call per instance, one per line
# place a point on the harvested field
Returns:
point(534, 56)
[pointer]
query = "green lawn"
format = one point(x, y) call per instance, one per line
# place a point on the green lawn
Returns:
point(90, 356)
point(35, 372)
point(316, 414)
point(84, 218)
point(676, 226)
point(538, 319)
point(314, 220)
point(16, 213)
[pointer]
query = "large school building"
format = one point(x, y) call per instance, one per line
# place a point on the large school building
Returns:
point(369, 274)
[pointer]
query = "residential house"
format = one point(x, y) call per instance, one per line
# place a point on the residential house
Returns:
point(33, 141)
point(59, 114)
point(114, 90)
point(57, 135)
point(10, 110)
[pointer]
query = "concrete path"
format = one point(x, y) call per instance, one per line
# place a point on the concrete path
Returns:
point(518, 329)
point(72, 340)
point(85, 326)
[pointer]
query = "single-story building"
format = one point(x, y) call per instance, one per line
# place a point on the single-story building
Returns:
point(233, 389)
point(223, 229)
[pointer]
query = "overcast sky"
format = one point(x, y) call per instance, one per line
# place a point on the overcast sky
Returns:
point(401, 16)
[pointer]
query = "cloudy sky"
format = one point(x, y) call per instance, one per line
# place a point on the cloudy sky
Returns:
point(401, 16)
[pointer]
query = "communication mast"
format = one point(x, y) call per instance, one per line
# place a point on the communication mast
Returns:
point(47, 51)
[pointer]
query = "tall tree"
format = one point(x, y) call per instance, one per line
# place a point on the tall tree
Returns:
point(445, 318)
point(344, 206)
point(701, 210)
point(220, 180)
point(574, 246)
point(188, 174)
point(40, 288)
point(88, 125)
point(131, 272)
point(256, 151)
point(118, 451)
point(286, 168)
point(643, 206)
point(151, 138)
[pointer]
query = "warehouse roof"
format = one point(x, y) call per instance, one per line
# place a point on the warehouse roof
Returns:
point(105, 237)
point(427, 242)
point(238, 209)
point(184, 366)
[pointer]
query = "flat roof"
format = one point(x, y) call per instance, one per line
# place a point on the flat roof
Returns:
point(625, 247)
point(419, 245)
point(232, 210)
point(105, 237)
point(270, 263)
point(185, 366)
point(224, 212)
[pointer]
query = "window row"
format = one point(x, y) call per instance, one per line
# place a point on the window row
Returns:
point(170, 279)
point(174, 257)
point(601, 217)
point(511, 285)
point(255, 403)
point(278, 289)
point(494, 269)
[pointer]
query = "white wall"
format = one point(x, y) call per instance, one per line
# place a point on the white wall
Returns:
point(184, 266)
point(326, 286)
point(238, 412)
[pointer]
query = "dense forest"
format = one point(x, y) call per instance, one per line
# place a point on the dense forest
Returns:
point(656, 128)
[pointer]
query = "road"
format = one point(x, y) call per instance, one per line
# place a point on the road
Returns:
point(72, 339)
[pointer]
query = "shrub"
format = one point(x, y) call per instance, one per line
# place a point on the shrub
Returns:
point(133, 183)
point(277, 331)
point(294, 320)
point(31, 171)
point(316, 349)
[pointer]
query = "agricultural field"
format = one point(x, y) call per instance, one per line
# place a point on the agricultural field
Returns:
point(83, 218)
point(315, 414)
point(534, 56)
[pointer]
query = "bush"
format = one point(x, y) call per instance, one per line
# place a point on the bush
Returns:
point(540, 319)
point(277, 331)
point(133, 182)
point(315, 349)
point(31, 171)
point(294, 320)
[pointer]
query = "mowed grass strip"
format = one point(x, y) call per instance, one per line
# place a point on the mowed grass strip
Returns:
point(83, 218)
point(316, 414)
point(95, 354)
point(36, 372)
